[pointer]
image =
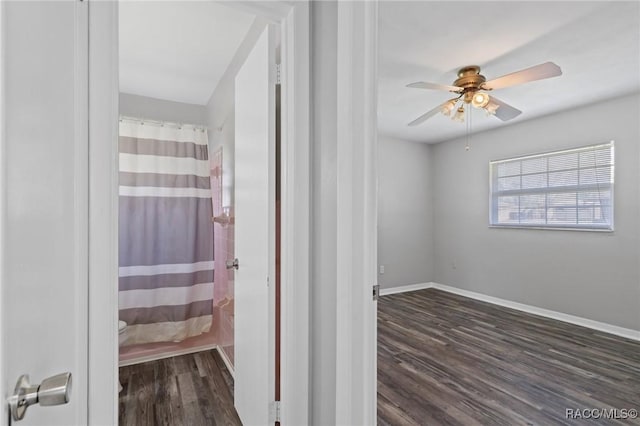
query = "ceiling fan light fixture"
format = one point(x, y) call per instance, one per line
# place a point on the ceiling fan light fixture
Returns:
point(459, 115)
point(491, 108)
point(480, 99)
point(448, 107)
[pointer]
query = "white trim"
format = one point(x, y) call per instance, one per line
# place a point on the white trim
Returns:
point(169, 354)
point(295, 217)
point(81, 208)
point(404, 288)
point(3, 193)
point(369, 73)
point(356, 212)
point(347, 250)
point(227, 361)
point(343, 191)
point(547, 313)
point(273, 31)
point(103, 213)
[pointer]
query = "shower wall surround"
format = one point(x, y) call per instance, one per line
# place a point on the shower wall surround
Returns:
point(223, 298)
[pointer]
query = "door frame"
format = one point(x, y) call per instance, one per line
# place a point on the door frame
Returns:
point(295, 215)
point(103, 212)
point(293, 19)
point(3, 390)
point(357, 208)
point(344, 225)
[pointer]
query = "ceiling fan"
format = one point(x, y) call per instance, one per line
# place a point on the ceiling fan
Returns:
point(472, 88)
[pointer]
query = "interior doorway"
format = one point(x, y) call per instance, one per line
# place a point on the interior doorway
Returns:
point(294, 30)
point(197, 208)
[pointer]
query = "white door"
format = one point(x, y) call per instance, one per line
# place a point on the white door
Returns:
point(254, 232)
point(44, 203)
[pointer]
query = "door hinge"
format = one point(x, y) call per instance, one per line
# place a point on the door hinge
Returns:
point(274, 411)
point(376, 292)
point(278, 73)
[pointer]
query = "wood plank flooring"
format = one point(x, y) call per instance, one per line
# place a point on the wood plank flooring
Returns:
point(189, 390)
point(444, 359)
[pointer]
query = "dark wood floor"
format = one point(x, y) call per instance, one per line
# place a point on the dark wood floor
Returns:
point(446, 359)
point(189, 390)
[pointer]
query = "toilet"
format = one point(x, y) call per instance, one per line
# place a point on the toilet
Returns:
point(122, 326)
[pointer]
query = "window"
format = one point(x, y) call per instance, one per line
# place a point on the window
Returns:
point(571, 189)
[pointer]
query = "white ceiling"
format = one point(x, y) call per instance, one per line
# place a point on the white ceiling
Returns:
point(175, 50)
point(597, 45)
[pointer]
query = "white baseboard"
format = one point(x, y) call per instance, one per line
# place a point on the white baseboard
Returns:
point(169, 354)
point(226, 360)
point(404, 288)
point(547, 313)
point(572, 319)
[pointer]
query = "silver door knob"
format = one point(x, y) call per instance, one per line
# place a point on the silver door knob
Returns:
point(55, 390)
point(233, 264)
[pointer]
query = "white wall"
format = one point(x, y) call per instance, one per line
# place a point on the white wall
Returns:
point(161, 110)
point(589, 274)
point(405, 213)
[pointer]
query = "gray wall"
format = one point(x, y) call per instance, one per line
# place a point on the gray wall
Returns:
point(589, 274)
point(162, 110)
point(405, 214)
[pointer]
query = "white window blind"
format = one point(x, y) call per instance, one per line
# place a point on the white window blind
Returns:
point(563, 189)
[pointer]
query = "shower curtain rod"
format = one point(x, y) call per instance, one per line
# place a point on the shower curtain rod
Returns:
point(163, 123)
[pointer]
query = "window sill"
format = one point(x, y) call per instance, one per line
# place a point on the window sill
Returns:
point(553, 228)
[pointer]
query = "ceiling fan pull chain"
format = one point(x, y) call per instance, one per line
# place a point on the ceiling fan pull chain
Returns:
point(467, 147)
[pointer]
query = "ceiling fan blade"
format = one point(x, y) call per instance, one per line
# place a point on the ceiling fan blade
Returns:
point(424, 117)
point(427, 115)
point(434, 86)
point(538, 72)
point(505, 112)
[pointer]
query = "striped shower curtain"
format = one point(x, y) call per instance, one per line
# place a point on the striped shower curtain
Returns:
point(166, 233)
